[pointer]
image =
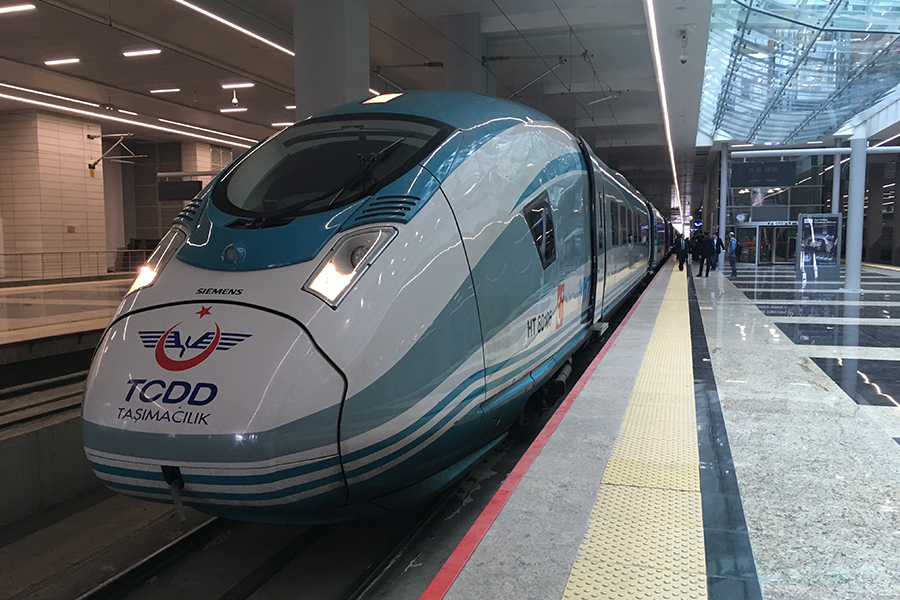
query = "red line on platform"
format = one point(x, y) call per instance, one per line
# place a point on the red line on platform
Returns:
point(441, 583)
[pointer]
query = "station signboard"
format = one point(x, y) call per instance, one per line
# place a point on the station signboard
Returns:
point(819, 247)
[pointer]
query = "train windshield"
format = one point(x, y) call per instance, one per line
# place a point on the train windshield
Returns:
point(325, 163)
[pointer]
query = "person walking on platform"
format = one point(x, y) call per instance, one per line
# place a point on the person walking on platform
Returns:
point(732, 253)
point(682, 248)
point(718, 247)
point(705, 248)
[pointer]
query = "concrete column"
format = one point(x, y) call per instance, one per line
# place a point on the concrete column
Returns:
point(331, 42)
point(51, 203)
point(858, 145)
point(873, 218)
point(723, 192)
point(114, 205)
point(463, 48)
point(895, 245)
point(836, 185)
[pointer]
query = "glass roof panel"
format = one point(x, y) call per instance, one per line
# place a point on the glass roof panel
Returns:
point(791, 71)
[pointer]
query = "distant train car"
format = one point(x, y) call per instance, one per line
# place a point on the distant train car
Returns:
point(358, 308)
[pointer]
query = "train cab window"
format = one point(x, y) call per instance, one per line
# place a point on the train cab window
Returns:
point(539, 217)
point(325, 163)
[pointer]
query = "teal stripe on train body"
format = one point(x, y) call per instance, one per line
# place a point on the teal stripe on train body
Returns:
point(323, 498)
point(418, 431)
point(317, 468)
point(407, 382)
point(315, 431)
point(451, 340)
point(509, 279)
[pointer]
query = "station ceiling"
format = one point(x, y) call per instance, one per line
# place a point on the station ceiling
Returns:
point(760, 71)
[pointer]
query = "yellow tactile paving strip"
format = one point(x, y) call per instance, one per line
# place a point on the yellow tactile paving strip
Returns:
point(881, 266)
point(645, 535)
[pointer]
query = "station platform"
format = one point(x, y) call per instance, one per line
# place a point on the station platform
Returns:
point(738, 438)
point(34, 312)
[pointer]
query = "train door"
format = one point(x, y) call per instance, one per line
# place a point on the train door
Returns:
point(600, 243)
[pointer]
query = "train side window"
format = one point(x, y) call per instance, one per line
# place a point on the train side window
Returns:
point(539, 217)
point(599, 221)
point(614, 223)
point(623, 225)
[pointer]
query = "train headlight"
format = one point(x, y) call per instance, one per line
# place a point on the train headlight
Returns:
point(167, 248)
point(351, 256)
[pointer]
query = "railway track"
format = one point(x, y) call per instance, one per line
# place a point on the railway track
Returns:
point(227, 560)
point(34, 401)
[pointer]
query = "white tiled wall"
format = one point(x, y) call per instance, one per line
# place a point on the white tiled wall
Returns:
point(48, 200)
point(195, 156)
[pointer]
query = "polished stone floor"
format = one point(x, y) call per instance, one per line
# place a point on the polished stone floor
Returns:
point(35, 311)
point(808, 378)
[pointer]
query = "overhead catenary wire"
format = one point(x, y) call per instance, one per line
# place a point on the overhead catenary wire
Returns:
point(546, 64)
point(596, 76)
point(480, 59)
point(402, 43)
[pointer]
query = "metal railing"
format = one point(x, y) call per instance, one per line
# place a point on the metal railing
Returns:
point(36, 266)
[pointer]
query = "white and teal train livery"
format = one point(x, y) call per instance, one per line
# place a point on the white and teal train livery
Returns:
point(359, 307)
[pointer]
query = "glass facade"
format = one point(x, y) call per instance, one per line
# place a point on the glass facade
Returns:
point(791, 71)
point(809, 194)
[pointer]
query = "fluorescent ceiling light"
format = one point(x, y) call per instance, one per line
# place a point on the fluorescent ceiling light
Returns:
point(759, 55)
point(281, 124)
point(376, 92)
point(657, 65)
point(15, 8)
point(127, 112)
point(381, 98)
point(237, 86)
point(109, 117)
point(742, 146)
point(21, 89)
point(237, 137)
point(230, 110)
point(165, 91)
point(148, 52)
point(291, 107)
point(816, 142)
point(890, 139)
point(234, 26)
point(61, 61)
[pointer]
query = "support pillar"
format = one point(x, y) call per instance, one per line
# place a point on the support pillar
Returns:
point(464, 46)
point(836, 185)
point(723, 193)
point(331, 42)
point(873, 218)
point(857, 192)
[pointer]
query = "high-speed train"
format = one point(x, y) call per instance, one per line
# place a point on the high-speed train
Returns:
point(358, 308)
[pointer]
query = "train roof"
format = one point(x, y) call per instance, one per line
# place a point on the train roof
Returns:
point(461, 110)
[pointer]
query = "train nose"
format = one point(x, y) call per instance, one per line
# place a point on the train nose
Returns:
point(239, 399)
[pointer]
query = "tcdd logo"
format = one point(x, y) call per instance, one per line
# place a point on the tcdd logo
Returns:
point(203, 346)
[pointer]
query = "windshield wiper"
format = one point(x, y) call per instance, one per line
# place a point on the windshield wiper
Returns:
point(365, 169)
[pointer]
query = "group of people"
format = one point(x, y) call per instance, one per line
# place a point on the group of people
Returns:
point(706, 250)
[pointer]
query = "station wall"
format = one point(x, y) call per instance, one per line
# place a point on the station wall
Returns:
point(48, 200)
